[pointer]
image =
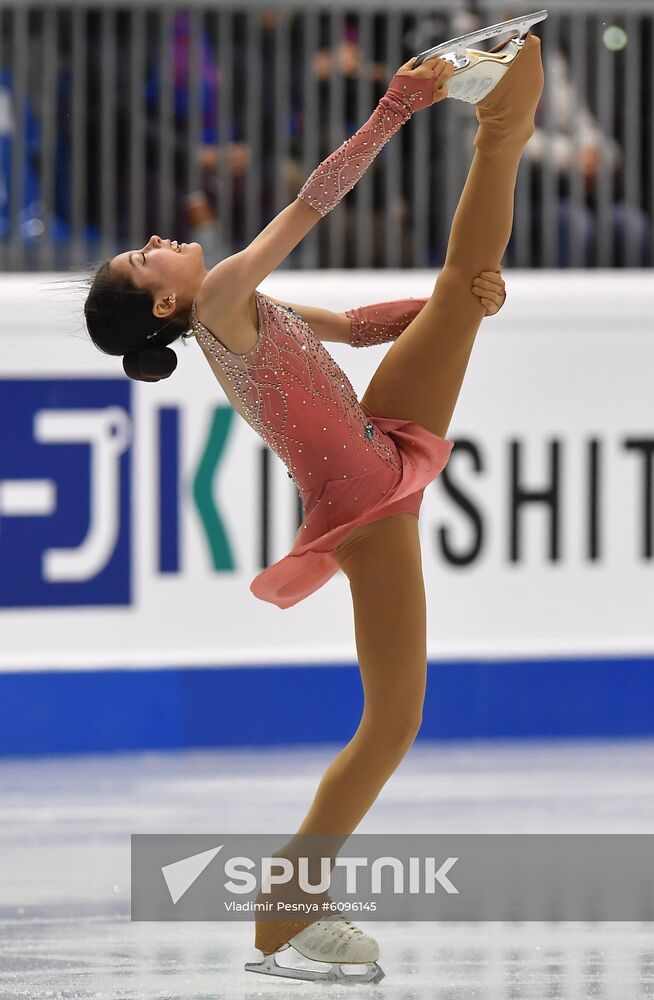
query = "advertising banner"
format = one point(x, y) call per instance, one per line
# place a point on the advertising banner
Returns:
point(134, 516)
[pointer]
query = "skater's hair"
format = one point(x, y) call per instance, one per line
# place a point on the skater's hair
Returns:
point(120, 321)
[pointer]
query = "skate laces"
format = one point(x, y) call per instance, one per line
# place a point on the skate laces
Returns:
point(345, 927)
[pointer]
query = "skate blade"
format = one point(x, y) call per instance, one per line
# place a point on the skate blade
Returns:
point(335, 974)
point(457, 46)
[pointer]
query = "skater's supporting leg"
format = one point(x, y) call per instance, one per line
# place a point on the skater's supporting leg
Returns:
point(421, 375)
point(390, 632)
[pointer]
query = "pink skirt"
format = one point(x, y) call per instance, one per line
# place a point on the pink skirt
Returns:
point(338, 506)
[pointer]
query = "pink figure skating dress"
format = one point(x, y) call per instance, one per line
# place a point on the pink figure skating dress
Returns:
point(350, 466)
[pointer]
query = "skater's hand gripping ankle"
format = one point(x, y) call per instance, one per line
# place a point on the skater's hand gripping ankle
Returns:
point(489, 287)
point(441, 70)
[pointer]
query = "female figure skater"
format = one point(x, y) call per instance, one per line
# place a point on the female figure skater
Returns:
point(362, 466)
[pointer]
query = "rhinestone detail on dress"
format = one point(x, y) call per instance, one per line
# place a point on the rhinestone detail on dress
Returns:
point(335, 176)
point(291, 389)
point(382, 322)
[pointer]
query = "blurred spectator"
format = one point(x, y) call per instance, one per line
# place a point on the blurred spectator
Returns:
point(346, 58)
point(30, 223)
point(575, 142)
point(6, 131)
point(200, 221)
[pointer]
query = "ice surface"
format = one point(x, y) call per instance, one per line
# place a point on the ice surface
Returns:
point(65, 825)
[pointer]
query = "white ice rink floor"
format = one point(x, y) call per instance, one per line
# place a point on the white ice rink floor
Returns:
point(65, 825)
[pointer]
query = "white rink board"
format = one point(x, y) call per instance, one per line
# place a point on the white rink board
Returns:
point(569, 360)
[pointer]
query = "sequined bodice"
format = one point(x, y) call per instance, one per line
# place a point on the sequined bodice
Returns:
point(295, 396)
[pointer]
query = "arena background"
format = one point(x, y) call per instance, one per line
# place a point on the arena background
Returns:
point(130, 531)
point(133, 517)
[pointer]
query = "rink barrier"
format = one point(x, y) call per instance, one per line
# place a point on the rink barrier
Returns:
point(71, 712)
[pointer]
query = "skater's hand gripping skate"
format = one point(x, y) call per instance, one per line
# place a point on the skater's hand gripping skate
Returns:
point(439, 69)
point(489, 287)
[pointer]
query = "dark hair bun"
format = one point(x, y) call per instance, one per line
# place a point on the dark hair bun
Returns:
point(150, 364)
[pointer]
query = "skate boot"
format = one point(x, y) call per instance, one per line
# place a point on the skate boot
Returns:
point(333, 940)
point(477, 73)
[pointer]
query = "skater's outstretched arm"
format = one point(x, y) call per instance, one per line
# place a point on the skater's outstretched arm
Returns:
point(361, 327)
point(233, 280)
point(382, 322)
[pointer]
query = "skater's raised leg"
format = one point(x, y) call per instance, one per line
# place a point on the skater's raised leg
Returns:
point(421, 375)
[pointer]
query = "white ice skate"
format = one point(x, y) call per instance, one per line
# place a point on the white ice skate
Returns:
point(478, 72)
point(334, 940)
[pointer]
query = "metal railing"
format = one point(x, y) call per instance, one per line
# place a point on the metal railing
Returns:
point(203, 121)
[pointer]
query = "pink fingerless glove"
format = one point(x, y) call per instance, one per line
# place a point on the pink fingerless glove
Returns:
point(335, 176)
point(381, 322)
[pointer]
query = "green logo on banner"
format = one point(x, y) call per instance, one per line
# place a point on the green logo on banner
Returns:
point(221, 553)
